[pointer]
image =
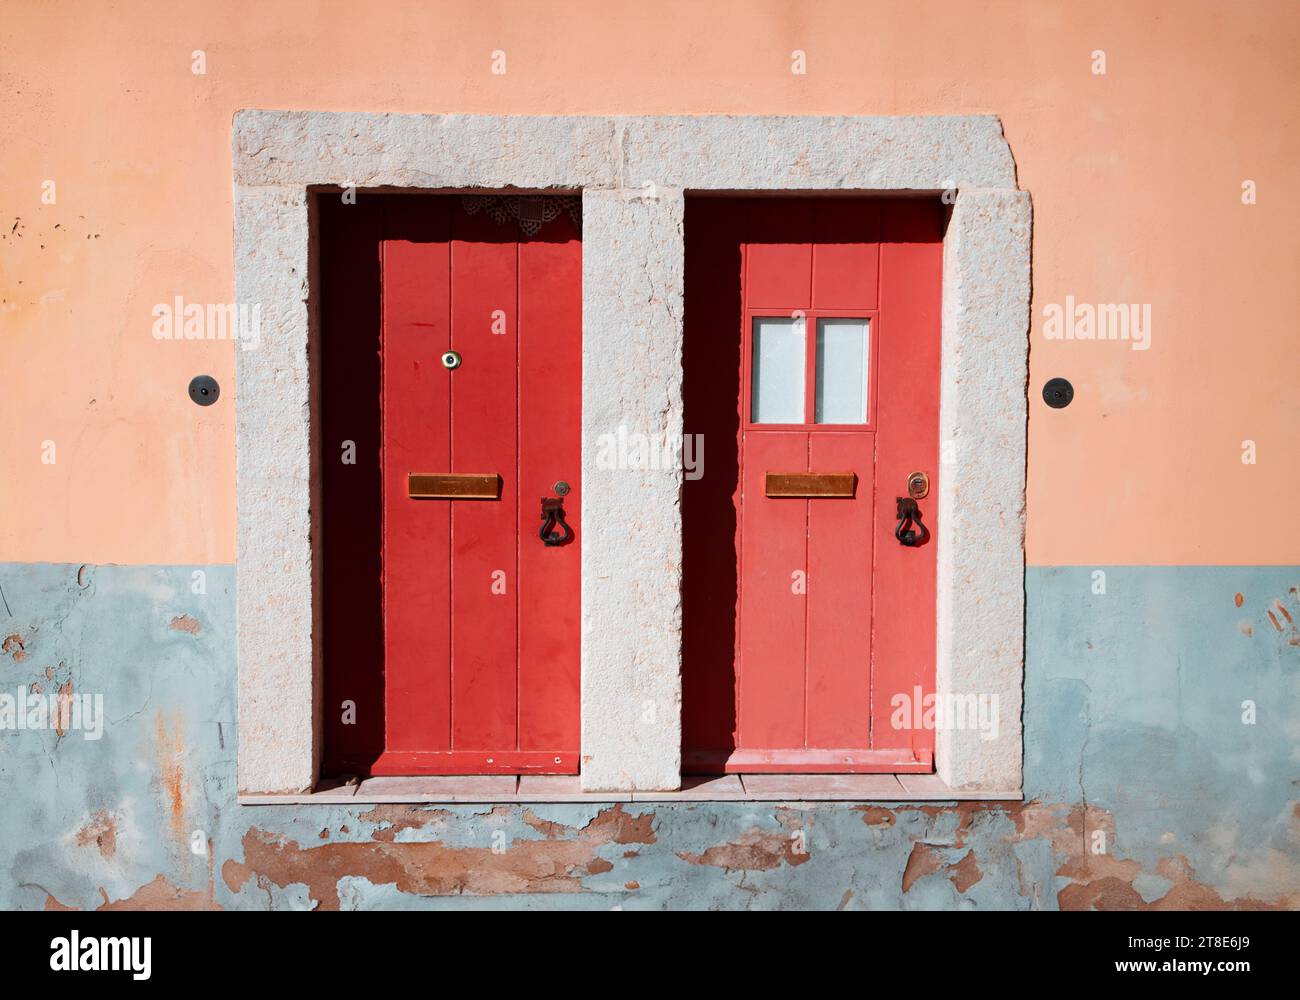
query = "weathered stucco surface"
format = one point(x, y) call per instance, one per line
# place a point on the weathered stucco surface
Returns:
point(109, 107)
point(1136, 746)
point(632, 171)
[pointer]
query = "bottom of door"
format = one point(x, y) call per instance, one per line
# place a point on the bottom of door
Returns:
point(417, 762)
point(807, 761)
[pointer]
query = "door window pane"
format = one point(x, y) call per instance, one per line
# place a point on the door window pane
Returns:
point(843, 349)
point(778, 370)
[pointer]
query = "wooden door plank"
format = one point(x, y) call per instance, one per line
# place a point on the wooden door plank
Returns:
point(550, 437)
point(484, 394)
point(773, 609)
point(416, 435)
point(911, 265)
point(839, 598)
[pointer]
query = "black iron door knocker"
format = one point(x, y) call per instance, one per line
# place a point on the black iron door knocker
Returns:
point(910, 531)
point(553, 518)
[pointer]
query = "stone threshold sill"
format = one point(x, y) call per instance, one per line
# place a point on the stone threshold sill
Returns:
point(504, 789)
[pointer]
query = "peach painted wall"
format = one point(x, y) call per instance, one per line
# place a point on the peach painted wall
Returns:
point(1136, 177)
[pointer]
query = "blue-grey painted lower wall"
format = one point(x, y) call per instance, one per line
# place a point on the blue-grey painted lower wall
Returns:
point(1144, 786)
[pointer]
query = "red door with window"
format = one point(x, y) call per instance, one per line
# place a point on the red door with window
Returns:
point(478, 315)
point(809, 603)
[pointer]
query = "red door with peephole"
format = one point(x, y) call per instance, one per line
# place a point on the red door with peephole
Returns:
point(479, 333)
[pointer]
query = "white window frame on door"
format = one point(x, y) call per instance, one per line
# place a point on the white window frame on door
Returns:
point(634, 173)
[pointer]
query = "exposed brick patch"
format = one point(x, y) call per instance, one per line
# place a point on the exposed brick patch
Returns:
point(924, 860)
point(101, 831)
point(755, 850)
point(558, 863)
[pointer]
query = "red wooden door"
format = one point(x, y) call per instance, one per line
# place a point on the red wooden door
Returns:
point(480, 362)
point(827, 620)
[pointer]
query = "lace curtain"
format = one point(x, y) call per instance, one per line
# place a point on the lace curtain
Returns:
point(529, 212)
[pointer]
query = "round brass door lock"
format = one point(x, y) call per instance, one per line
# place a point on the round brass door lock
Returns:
point(451, 359)
point(918, 485)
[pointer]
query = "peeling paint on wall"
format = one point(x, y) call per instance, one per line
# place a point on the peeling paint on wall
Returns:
point(1146, 788)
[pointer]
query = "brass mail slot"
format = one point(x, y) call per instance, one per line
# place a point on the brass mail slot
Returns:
point(453, 485)
point(811, 484)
